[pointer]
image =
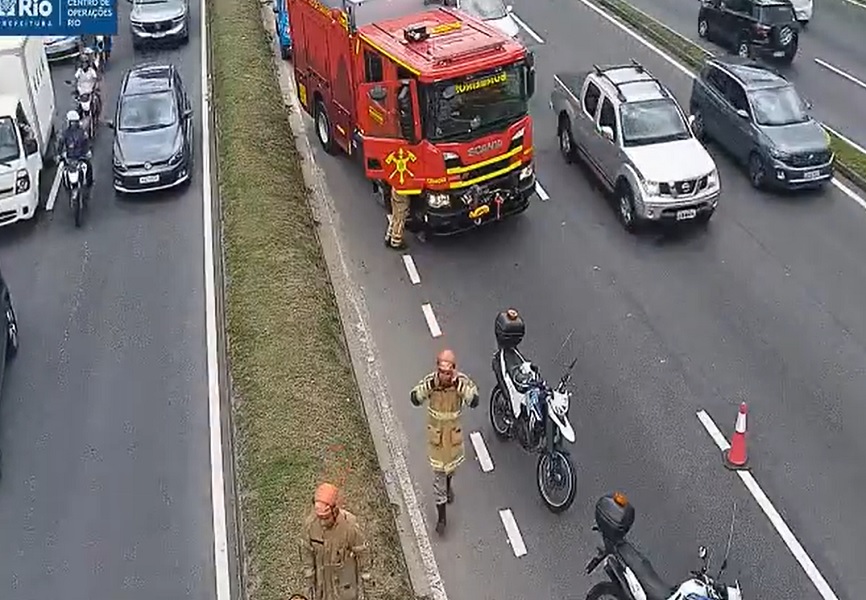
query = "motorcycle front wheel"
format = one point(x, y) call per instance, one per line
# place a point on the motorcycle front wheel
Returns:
point(556, 480)
point(500, 414)
point(76, 208)
point(605, 591)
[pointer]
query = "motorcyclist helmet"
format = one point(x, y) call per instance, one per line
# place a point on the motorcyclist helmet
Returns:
point(73, 118)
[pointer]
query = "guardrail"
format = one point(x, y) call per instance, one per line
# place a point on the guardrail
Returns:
point(850, 158)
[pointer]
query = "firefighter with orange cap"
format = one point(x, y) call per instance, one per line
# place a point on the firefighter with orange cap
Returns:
point(445, 391)
point(334, 552)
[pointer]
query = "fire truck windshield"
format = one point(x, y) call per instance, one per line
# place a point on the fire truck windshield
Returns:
point(470, 106)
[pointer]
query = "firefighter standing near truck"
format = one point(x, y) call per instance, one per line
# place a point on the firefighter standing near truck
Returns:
point(445, 391)
point(334, 552)
point(397, 222)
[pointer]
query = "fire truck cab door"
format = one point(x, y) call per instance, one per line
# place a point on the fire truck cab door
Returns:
point(390, 129)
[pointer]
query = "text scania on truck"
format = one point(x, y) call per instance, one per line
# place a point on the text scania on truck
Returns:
point(435, 103)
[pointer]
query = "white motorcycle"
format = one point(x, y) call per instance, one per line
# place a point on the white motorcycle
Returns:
point(523, 405)
point(631, 575)
point(75, 180)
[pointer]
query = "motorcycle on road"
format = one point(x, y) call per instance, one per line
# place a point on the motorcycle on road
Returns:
point(101, 53)
point(524, 406)
point(631, 575)
point(75, 181)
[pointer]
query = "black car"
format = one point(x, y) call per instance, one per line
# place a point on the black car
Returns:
point(153, 131)
point(9, 339)
point(756, 115)
point(751, 28)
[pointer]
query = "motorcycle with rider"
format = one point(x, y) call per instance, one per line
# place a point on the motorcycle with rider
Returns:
point(74, 157)
point(87, 92)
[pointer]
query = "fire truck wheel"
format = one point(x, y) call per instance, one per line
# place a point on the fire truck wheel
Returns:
point(323, 129)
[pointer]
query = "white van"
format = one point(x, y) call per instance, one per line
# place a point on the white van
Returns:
point(26, 125)
point(803, 10)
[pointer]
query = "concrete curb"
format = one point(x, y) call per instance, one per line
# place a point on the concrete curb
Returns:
point(385, 429)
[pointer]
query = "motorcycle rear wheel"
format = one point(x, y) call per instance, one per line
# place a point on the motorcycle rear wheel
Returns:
point(547, 461)
point(500, 414)
point(605, 590)
point(76, 208)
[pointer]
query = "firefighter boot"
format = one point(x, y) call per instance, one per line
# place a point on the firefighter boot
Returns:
point(441, 522)
point(449, 492)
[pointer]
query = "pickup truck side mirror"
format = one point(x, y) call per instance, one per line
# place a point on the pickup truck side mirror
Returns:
point(30, 146)
point(509, 9)
point(378, 94)
point(607, 133)
point(808, 104)
point(530, 74)
point(406, 113)
point(742, 113)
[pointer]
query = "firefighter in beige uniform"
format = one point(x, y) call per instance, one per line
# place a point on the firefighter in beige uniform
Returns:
point(397, 222)
point(445, 391)
point(334, 552)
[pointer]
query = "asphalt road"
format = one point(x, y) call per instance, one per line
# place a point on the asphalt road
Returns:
point(834, 38)
point(104, 422)
point(765, 306)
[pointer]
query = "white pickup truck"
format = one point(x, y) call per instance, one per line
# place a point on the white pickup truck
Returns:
point(26, 125)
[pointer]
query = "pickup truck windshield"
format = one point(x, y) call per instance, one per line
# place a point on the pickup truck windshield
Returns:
point(652, 122)
point(470, 106)
point(8, 140)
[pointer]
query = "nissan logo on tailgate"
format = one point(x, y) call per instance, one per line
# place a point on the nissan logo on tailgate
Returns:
point(484, 148)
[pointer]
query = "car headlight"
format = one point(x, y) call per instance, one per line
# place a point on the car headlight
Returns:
point(778, 154)
point(527, 171)
point(519, 134)
point(651, 187)
point(176, 157)
point(449, 156)
point(118, 162)
point(713, 179)
point(438, 200)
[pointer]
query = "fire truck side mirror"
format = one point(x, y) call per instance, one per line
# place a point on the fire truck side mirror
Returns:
point(407, 118)
point(378, 94)
point(530, 74)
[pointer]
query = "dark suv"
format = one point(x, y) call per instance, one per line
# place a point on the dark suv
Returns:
point(751, 28)
point(757, 116)
point(8, 333)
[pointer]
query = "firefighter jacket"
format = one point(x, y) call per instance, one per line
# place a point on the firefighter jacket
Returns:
point(444, 405)
point(336, 560)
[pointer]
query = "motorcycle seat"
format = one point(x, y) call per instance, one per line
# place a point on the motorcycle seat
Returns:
point(654, 586)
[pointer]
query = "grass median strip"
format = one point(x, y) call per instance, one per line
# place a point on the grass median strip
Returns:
point(298, 415)
point(849, 161)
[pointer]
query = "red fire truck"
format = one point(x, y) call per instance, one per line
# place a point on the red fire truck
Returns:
point(435, 104)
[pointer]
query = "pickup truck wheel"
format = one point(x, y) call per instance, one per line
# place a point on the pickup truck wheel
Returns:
point(698, 126)
point(566, 140)
point(625, 201)
point(703, 29)
point(323, 129)
point(743, 49)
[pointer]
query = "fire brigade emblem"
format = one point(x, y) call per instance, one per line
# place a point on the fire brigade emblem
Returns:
point(400, 160)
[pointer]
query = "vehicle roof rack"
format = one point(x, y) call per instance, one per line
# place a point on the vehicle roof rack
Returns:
point(603, 72)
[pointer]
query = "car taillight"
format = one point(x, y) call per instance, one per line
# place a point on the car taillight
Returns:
point(22, 181)
point(761, 30)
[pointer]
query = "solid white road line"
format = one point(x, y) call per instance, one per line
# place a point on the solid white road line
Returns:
point(481, 451)
point(55, 188)
point(411, 269)
point(841, 73)
point(432, 323)
point(679, 66)
point(527, 29)
point(542, 193)
point(772, 514)
point(513, 532)
point(847, 140)
point(217, 481)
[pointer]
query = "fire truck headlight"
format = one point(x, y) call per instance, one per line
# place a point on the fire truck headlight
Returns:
point(526, 172)
point(438, 200)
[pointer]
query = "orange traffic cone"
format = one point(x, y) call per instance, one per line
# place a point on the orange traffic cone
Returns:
point(735, 457)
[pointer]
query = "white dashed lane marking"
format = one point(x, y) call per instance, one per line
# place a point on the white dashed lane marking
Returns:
point(841, 73)
point(432, 323)
point(772, 514)
point(55, 188)
point(411, 269)
point(527, 29)
point(513, 532)
point(542, 193)
point(481, 451)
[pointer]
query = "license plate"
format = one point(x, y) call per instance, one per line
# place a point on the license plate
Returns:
point(688, 213)
point(148, 179)
point(812, 174)
point(479, 212)
point(779, 53)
